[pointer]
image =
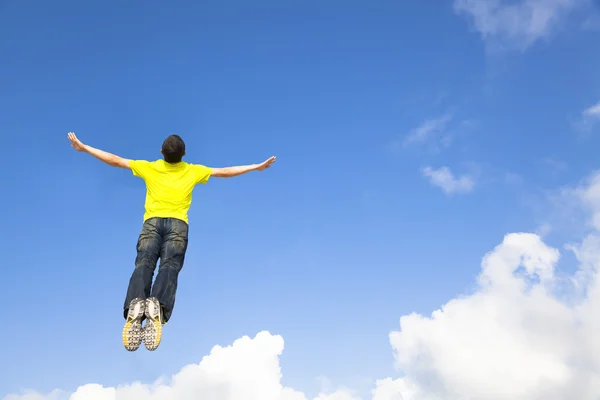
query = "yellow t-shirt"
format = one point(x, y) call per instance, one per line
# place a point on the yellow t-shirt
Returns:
point(169, 186)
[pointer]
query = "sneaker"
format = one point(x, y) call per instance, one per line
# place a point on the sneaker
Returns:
point(154, 323)
point(133, 331)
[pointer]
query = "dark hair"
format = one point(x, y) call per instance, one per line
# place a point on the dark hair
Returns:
point(173, 149)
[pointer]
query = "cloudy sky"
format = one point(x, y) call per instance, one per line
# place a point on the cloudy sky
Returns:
point(431, 230)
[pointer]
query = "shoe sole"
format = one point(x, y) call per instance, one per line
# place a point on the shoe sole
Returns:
point(132, 331)
point(153, 328)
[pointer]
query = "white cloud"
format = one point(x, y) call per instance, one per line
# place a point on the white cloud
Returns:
point(31, 395)
point(458, 352)
point(341, 394)
point(400, 389)
point(513, 338)
point(544, 229)
point(248, 369)
point(524, 333)
point(444, 178)
point(588, 194)
point(516, 23)
point(592, 112)
point(436, 133)
point(427, 130)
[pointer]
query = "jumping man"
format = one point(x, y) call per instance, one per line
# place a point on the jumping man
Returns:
point(169, 185)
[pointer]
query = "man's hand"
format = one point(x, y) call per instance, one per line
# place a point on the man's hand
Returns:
point(229, 172)
point(76, 143)
point(266, 164)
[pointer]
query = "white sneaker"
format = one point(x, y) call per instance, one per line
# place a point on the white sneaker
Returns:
point(133, 331)
point(154, 323)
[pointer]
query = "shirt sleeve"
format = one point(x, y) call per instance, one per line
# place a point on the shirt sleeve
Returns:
point(202, 173)
point(140, 168)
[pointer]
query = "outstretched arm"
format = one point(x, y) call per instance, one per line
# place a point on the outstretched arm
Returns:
point(108, 158)
point(229, 172)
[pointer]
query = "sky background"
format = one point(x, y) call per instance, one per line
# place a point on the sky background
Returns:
point(358, 223)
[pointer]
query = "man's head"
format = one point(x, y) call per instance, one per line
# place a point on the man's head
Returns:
point(173, 149)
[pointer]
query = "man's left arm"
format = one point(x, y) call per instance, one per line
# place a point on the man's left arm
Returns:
point(108, 158)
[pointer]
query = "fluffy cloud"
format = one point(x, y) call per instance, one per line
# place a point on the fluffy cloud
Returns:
point(509, 329)
point(248, 370)
point(524, 333)
point(516, 23)
point(445, 179)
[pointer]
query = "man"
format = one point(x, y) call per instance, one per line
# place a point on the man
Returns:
point(164, 235)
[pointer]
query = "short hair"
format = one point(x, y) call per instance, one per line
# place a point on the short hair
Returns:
point(173, 149)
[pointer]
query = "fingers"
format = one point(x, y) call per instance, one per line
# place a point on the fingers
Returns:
point(267, 163)
point(75, 143)
point(73, 138)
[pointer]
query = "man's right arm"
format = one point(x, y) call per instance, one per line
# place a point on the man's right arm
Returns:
point(229, 172)
point(104, 156)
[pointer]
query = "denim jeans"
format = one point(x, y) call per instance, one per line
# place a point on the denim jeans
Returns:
point(167, 239)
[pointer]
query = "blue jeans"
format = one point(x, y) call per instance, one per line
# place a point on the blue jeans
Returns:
point(167, 239)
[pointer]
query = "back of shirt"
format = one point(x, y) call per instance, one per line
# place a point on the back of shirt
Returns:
point(169, 186)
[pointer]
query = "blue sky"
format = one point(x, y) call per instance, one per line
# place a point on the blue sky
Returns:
point(345, 234)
